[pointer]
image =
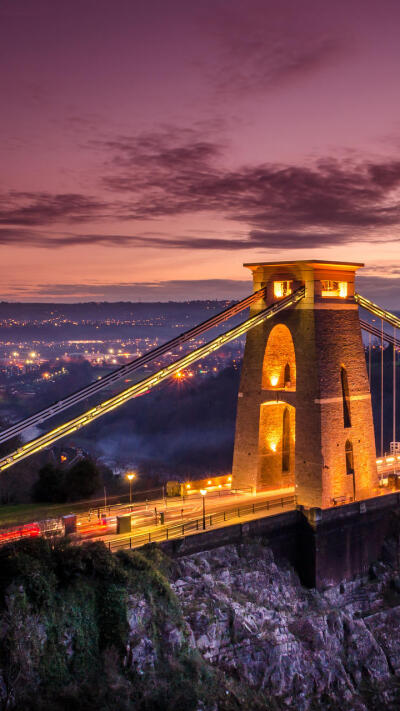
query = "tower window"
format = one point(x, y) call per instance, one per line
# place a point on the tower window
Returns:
point(286, 441)
point(349, 458)
point(334, 288)
point(286, 376)
point(282, 288)
point(345, 397)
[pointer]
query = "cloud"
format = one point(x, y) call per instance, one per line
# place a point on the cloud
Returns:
point(327, 201)
point(177, 172)
point(172, 290)
point(384, 291)
point(256, 239)
point(23, 237)
point(381, 290)
point(270, 46)
point(254, 65)
point(41, 208)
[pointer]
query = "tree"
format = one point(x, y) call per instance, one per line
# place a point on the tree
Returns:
point(82, 480)
point(50, 485)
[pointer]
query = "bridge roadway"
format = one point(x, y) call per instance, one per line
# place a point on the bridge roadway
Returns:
point(181, 517)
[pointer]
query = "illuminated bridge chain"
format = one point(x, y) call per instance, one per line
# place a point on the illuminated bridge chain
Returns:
point(377, 311)
point(378, 333)
point(116, 375)
point(146, 384)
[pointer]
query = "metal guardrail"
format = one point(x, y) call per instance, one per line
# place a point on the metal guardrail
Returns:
point(179, 530)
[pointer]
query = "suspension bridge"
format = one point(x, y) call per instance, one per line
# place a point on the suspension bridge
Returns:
point(285, 289)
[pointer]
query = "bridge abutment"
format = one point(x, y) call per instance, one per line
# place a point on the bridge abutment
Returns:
point(325, 546)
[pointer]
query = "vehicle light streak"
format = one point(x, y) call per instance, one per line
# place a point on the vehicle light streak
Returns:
point(144, 385)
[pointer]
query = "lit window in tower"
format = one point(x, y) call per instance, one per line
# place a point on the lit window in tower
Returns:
point(282, 288)
point(334, 288)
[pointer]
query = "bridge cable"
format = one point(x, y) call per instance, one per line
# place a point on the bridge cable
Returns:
point(376, 310)
point(128, 368)
point(143, 386)
point(394, 391)
point(381, 387)
point(369, 360)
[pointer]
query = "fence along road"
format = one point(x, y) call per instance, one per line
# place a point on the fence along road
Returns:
point(257, 509)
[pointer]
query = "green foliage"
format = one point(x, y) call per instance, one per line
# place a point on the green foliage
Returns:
point(91, 560)
point(112, 619)
point(29, 565)
point(64, 623)
point(82, 480)
point(50, 486)
point(56, 485)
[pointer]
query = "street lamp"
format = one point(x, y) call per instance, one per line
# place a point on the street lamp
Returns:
point(130, 476)
point(203, 493)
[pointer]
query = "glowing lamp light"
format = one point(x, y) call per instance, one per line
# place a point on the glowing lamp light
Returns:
point(188, 486)
point(274, 380)
point(219, 486)
point(229, 478)
point(343, 289)
point(282, 288)
point(273, 446)
point(131, 476)
point(209, 482)
point(203, 492)
point(278, 289)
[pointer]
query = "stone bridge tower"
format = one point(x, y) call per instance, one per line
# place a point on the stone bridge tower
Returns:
point(304, 410)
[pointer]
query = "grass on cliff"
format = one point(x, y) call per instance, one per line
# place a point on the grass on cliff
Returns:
point(64, 631)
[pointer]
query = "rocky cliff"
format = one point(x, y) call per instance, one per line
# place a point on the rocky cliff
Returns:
point(221, 630)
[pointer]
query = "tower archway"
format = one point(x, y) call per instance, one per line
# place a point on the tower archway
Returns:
point(279, 365)
point(277, 445)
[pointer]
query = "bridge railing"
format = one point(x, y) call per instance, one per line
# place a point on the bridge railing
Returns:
point(197, 525)
point(111, 509)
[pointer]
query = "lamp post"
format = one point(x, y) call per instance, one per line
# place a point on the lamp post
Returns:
point(130, 476)
point(203, 493)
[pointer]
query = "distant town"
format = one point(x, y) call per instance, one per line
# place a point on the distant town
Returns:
point(48, 351)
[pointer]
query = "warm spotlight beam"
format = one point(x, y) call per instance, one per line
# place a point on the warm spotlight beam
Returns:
point(89, 390)
point(144, 385)
point(377, 311)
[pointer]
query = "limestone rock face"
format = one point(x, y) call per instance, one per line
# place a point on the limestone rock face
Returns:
point(252, 619)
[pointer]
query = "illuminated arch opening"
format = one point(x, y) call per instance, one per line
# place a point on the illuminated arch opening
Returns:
point(345, 397)
point(279, 366)
point(277, 444)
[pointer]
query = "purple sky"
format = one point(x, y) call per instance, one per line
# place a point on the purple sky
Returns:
point(149, 148)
